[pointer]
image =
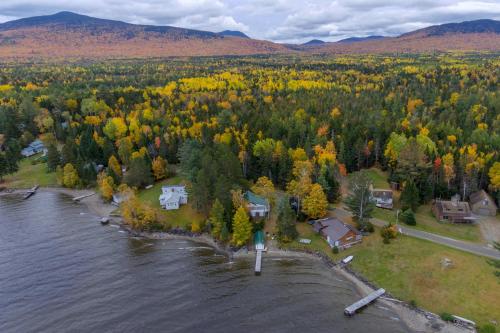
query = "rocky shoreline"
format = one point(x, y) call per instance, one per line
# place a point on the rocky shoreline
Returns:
point(416, 319)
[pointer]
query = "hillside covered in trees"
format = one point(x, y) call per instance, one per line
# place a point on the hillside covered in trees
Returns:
point(432, 121)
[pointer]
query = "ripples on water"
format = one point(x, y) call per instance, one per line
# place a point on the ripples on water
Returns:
point(61, 271)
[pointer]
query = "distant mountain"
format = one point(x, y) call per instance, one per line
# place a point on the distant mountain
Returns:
point(70, 35)
point(467, 27)
point(479, 35)
point(232, 33)
point(359, 39)
point(314, 42)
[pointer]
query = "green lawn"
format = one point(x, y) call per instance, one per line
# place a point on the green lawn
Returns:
point(378, 177)
point(411, 269)
point(182, 217)
point(30, 175)
point(427, 222)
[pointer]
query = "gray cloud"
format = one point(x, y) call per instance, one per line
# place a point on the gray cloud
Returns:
point(278, 20)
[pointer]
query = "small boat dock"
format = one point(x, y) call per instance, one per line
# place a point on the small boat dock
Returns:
point(351, 309)
point(258, 241)
point(30, 192)
point(76, 199)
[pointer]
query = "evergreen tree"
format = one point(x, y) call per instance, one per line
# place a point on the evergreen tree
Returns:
point(217, 219)
point(139, 173)
point(242, 228)
point(286, 229)
point(53, 158)
point(359, 202)
point(410, 197)
point(408, 217)
point(68, 152)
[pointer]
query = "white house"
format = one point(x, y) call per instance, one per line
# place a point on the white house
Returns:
point(382, 198)
point(173, 196)
point(258, 206)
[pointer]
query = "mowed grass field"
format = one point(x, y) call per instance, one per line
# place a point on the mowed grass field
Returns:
point(182, 218)
point(30, 175)
point(412, 270)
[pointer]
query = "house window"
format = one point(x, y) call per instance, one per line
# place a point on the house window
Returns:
point(445, 217)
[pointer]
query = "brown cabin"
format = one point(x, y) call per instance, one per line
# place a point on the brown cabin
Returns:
point(454, 211)
point(337, 234)
point(482, 204)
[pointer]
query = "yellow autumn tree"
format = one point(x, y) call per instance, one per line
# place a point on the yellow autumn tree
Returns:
point(265, 188)
point(159, 167)
point(114, 166)
point(494, 174)
point(106, 186)
point(242, 227)
point(70, 176)
point(315, 203)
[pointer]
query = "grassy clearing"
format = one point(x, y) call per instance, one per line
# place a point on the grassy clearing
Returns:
point(183, 217)
point(427, 222)
point(412, 269)
point(30, 175)
point(378, 177)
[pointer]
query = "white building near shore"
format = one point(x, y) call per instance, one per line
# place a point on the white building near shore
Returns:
point(173, 197)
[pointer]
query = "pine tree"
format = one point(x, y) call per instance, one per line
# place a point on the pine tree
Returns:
point(358, 202)
point(53, 158)
point(139, 174)
point(217, 218)
point(242, 227)
point(287, 231)
point(410, 197)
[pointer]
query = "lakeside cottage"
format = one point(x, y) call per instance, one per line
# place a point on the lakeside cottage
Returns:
point(454, 211)
point(382, 198)
point(257, 206)
point(173, 197)
point(482, 204)
point(337, 234)
point(33, 148)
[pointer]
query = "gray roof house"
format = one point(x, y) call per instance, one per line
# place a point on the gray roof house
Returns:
point(173, 197)
point(257, 206)
point(382, 198)
point(337, 234)
point(33, 148)
point(482, 204)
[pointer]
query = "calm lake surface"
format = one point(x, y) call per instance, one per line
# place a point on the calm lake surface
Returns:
point(61, 271)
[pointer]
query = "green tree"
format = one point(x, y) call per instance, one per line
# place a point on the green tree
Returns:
point(285, 223)
point(408, 217)
point(53, 158)
point(139, 173)
point(242, 227)
point(409, 197)
point(359, 202)
point(216, 219)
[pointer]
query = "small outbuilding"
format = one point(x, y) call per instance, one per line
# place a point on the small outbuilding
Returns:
point(337, 234)
point(482, 204)
point(382, 198)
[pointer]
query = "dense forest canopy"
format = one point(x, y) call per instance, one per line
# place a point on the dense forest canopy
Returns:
point(434, 119)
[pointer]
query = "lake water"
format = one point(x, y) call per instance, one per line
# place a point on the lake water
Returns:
point(61, 271)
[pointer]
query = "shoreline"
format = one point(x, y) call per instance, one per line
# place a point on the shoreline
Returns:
point(416, 319)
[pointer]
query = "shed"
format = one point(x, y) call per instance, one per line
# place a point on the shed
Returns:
point(482, 204)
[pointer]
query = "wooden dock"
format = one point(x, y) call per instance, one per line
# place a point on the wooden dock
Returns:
point(351, 309)
point(258, 262)
point(30, 192)
point(83, 196)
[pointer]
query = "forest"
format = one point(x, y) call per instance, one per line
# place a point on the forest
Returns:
point(228, 124)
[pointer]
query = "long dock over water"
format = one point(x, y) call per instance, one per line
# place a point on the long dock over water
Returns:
point(258, 262)
point(83, 196)
point(30, 192)
point(351, 309)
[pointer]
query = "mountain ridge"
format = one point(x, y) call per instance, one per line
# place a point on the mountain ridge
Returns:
point(70, 35)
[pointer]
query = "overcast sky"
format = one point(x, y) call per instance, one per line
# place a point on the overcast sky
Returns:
point(277, 20)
